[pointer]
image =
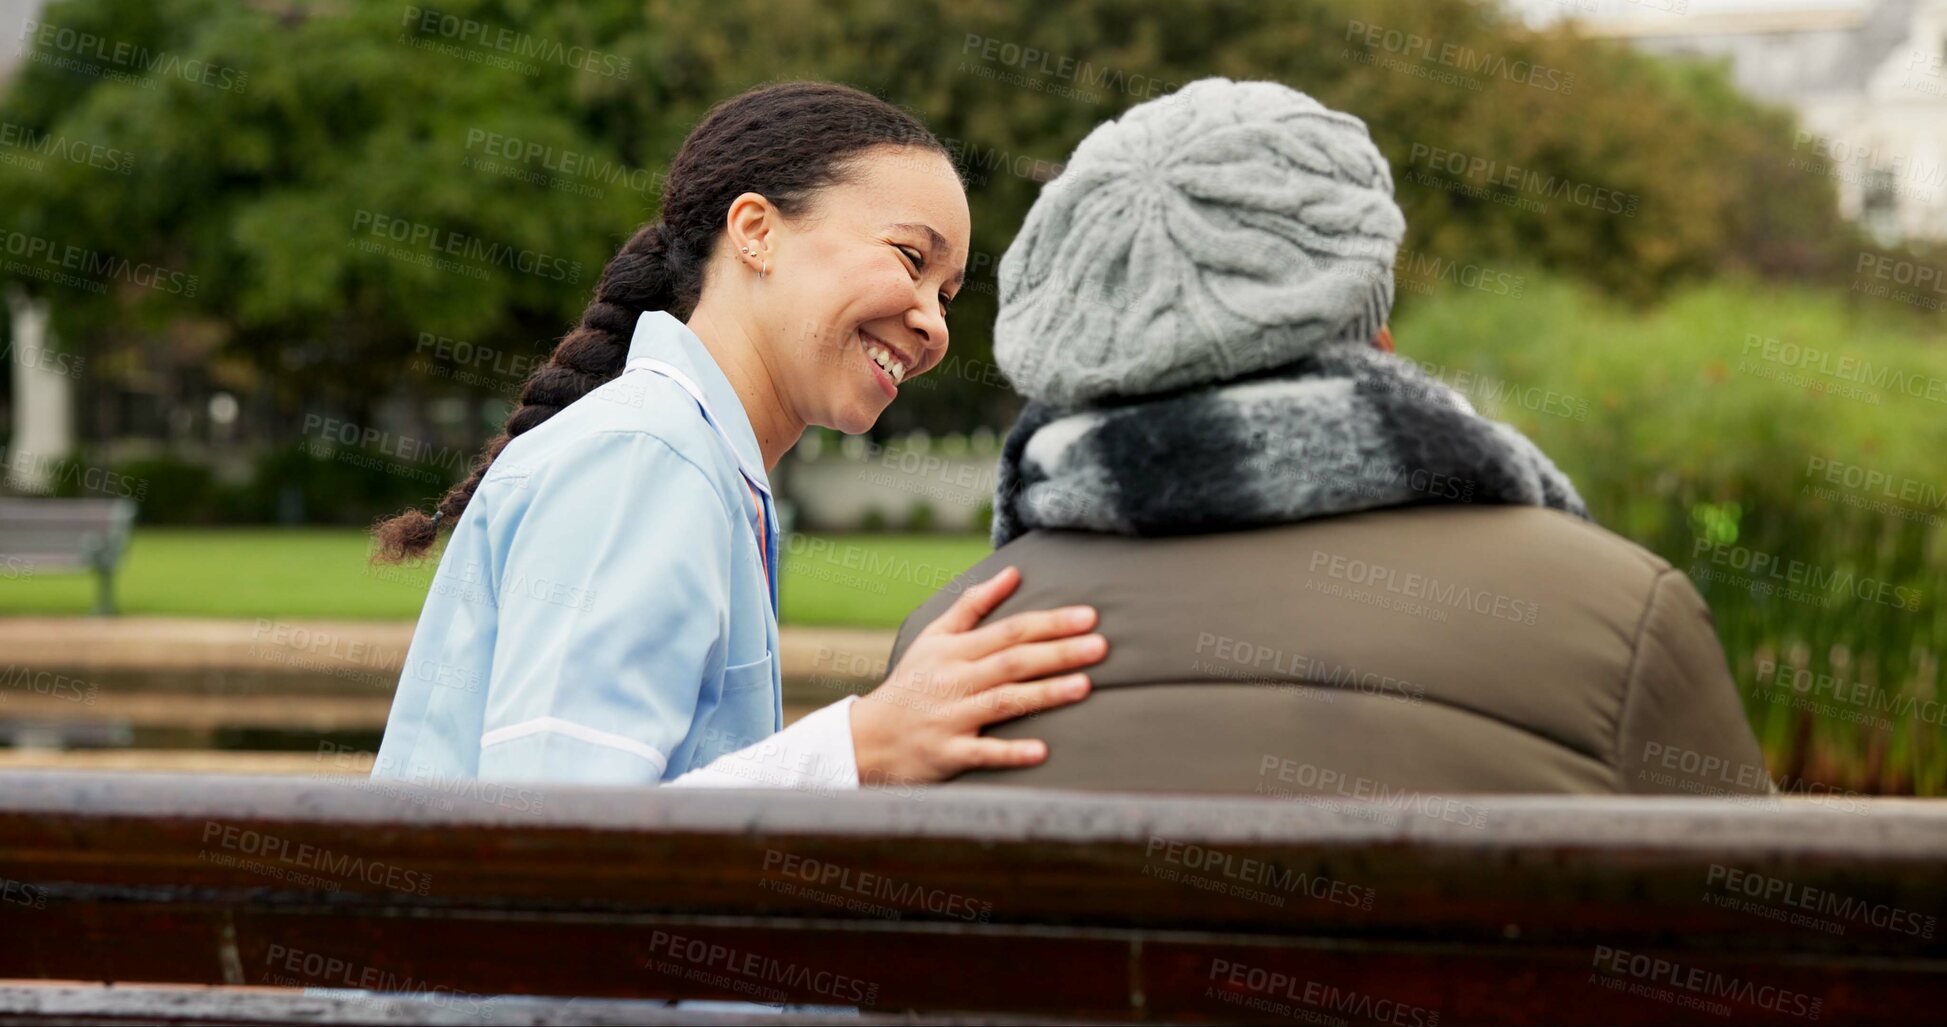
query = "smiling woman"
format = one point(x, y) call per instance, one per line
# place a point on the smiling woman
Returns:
point(612, 569)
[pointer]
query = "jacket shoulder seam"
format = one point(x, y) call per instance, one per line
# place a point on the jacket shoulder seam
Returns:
point(1630, 673)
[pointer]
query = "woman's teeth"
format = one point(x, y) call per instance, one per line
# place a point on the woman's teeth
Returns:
point(884, 358)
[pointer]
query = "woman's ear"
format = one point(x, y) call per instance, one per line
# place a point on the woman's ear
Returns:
point(748, 226)
point(1384, 340)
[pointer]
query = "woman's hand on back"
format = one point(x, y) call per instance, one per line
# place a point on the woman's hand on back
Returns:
point(923, 724)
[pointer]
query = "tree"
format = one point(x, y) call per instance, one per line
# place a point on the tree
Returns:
point(312, 189)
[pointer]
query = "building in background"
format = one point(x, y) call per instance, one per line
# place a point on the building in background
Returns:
point(1868, 79)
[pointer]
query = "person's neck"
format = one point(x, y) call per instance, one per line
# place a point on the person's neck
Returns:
point(733, 345)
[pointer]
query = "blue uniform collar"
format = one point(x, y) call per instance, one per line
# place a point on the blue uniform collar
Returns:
point(660, 336)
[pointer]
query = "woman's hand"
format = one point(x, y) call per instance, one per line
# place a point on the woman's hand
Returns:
point(923, 724)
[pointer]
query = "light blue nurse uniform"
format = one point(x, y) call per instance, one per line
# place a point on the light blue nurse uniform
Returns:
point(602, 612)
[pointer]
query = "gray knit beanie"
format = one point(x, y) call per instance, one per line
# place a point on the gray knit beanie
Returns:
point(1226, 228)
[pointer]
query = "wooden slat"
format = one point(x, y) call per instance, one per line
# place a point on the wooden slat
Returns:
point(288, 713)
point(192, 761)
point(1521, 910)
point(178, 1005)
point(233, 654)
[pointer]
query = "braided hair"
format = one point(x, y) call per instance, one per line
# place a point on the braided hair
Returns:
point(784, 141)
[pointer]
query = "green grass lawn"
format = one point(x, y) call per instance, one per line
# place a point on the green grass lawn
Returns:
point(853, 580)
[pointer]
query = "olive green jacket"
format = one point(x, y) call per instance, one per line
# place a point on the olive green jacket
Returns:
point(1432, 649)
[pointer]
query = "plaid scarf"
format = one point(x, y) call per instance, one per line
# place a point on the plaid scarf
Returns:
point(1347, 428)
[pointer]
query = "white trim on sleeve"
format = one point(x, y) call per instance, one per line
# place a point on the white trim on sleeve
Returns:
point(814, 752)
point(582, 732)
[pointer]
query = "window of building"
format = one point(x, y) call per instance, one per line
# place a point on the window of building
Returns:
point(1879, 205)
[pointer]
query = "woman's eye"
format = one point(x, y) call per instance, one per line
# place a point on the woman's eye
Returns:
point(919, 262)
point(946, 304)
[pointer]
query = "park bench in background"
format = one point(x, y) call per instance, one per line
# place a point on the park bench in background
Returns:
point(67, 535)
point(257, 695)
point(963, 904)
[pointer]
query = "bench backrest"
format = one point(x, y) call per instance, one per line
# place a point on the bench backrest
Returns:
point(1464, 909)
point(65, 532)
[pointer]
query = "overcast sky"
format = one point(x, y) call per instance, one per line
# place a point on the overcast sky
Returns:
point(14, 15)
point(1548, 10)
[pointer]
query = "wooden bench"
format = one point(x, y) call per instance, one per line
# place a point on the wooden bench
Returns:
point(68, 535)
point(957, 905)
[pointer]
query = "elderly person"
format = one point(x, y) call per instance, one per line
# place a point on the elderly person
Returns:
point(1319, 571)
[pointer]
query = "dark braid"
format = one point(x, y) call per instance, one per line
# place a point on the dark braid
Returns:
point(784, 142)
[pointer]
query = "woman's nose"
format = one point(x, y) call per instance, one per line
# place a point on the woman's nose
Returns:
point(929, 326)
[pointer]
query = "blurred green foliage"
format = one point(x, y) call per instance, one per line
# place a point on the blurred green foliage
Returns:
point(292, 485)
point(264, 180)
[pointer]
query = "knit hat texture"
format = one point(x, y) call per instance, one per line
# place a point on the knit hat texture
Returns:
point(1223, 229)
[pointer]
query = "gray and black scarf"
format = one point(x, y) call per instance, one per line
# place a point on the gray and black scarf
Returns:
point(1346, 428)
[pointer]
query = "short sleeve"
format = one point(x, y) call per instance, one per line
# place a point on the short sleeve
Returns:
point(613, 604)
